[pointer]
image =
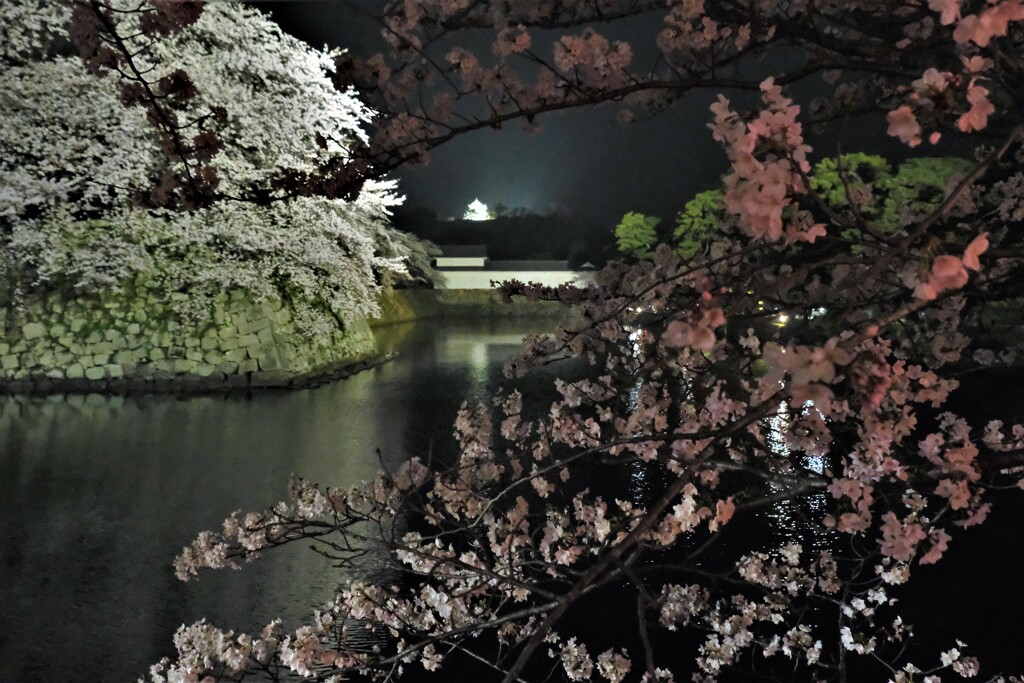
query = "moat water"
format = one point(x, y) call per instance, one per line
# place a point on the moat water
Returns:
point(99, 494)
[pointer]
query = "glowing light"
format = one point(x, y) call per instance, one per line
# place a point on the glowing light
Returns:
point(477, 211)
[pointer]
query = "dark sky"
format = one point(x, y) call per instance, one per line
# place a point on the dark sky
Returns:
point(583, 162)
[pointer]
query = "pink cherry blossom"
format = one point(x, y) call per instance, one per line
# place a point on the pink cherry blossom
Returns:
point(976, 117)
point(903, 124)
point(977, 247)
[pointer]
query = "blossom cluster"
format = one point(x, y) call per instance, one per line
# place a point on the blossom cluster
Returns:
point(76, 162)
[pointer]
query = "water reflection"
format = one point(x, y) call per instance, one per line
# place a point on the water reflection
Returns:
point(99, 493)
point(796, 519)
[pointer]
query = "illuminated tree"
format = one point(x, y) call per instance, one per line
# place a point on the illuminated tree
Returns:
point(529, 524)
point(81, 175)
point(635, 235)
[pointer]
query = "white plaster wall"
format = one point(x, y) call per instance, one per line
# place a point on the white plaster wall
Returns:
point(460, 262)
point(481, 279)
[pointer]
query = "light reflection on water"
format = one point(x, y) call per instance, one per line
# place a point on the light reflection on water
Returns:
point(796, 519)
point(100, 493)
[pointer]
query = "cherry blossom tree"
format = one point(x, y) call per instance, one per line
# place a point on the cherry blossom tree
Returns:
point(84, 179)
point(687, 378)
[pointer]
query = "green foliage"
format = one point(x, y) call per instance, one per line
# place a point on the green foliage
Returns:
point(697, 223)
point(917, 189)
point(635, 234)
point(857, 169)
point(890, 200)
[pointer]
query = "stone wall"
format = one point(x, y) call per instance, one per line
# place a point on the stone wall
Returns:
point(136, 342)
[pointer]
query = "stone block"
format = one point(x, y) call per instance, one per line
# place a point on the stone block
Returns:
point(164, 367)
point(228, 368)
point(157, 353)
point(75, 371)
point(249, 365)
point(9, 362)
point(261, 324)
point(227, 332)
point(112, 334)
point(55, 373)
point(269, 363)
point(203, 370)
point(134, 328)
point(235, 355)
point(266, 336)
point(94, 338)
point(122, 357)
point(114, 371)
point(5, 349)
point(208, 343)
point(95, 372)
point(30, 331)
point(194, 355)
point(183, 366)
point(56, 331)
point(229, 344)
point(248, 340)
point(191, 343)
point(213, 357)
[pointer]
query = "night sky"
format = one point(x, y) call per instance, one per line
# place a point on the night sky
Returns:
point(583, 162)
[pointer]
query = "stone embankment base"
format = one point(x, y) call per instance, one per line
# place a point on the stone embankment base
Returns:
point(192, 385)
point(137, 345)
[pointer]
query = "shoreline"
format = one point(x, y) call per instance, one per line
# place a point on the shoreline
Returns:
point(397, 307)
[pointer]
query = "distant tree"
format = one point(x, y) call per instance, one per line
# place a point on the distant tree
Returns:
point(500, 210)
point(493, 552)
point(891, 200)
point(701, 218)
point(635, 235)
